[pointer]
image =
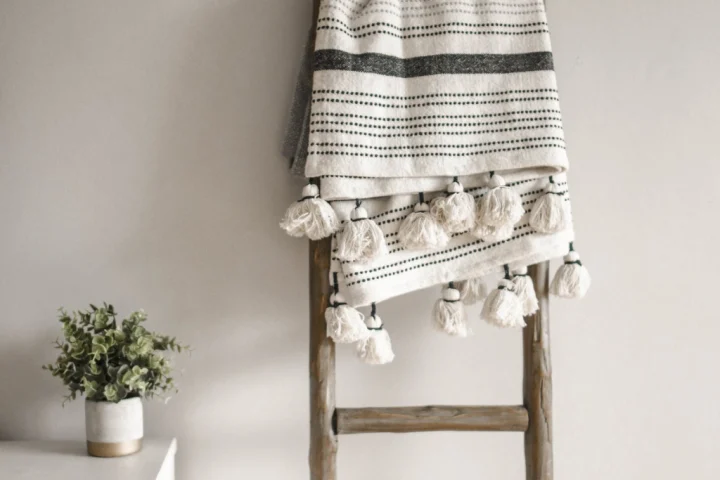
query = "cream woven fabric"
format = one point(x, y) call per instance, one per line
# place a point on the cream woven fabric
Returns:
point(408, 94)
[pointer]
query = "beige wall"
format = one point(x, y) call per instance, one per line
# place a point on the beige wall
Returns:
point(139, 164)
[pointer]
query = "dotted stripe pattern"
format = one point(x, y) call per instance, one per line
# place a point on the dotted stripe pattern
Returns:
point(432, 254)
point(430, 117)
point(436, 253)
point(468, 190)
point(428, 27)
point(354, 14)
point(420, 134)
point(431, 34)
point(433, 95)
point(535, 194)
point(389, 221)
point(481, 190)
point(441, 260)
point(361, 10)
point(399, 249)
point(417, 147)
point(454, 235)
point(434, 104)
point(359, 123)
point(365, 4)
point(433, 154)
point(436, 125)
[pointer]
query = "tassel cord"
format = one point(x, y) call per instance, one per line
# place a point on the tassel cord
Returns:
point(373, 313)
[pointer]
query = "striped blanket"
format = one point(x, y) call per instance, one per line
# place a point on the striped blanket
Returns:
point(413, 101)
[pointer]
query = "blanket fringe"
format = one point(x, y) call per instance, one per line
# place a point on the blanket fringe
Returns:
point(455, 211)
point(310, 216)
point(345, 324)
point(500, 207)
point(449, 313)
point(550, 213)
point(525, 290)
point(421, 231)
point(362, 239)
point(376, 349)
point(572, 280)
point(503, 307)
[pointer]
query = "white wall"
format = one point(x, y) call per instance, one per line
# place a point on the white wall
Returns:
point(139, 164)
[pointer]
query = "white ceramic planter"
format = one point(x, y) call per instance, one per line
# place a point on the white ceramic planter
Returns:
point(114, 429)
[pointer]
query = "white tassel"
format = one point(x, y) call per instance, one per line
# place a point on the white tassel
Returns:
point(525, 291)
point(362, 239)
point(502, 307)
point(449, 313)
point(501, 206)
point(420, 230)
point(344, 323)
point(455, 211)
point(572, 280)
point(550, 213)
point(490, 234)
point(376, 349)
point(311, 216)
point(472, 291)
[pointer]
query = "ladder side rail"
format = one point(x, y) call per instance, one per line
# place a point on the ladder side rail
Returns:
point(537, 382)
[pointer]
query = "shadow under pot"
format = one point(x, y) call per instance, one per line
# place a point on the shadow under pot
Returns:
point(114, 429)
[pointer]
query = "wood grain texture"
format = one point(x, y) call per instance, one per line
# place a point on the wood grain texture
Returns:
point(537, 382)
point(323, 442)
point(432, 419)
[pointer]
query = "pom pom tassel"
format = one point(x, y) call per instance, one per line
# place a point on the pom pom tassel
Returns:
point(310, 216)
point(503, 307)
point(376, 349)
point(550, 213)
point(501, 206)
point(420, 230)
point(345, 324)
point(472, 291)
point(525, 291)
point(361, 240)
point(572, 280)
point(456, 210)
point(449, 313)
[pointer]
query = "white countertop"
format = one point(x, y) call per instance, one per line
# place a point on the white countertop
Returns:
point(68, 460)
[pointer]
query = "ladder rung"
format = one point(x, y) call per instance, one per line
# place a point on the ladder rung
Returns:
point(509, 418)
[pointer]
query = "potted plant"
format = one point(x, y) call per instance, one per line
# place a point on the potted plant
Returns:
point(115, 365)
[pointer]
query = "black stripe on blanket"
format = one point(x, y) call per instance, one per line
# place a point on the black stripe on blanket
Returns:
point(481, 246)
point(432, 64)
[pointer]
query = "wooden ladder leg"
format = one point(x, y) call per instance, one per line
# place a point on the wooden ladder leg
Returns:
point(323, 441)
point(537, 382)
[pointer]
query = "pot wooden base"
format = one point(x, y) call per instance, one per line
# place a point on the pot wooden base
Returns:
point(119, 449)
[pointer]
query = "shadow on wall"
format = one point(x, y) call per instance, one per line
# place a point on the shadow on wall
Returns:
point(205, 256)
point(39, 399)
point(208, 245)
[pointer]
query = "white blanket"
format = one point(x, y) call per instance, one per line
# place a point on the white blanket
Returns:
point(407, 95)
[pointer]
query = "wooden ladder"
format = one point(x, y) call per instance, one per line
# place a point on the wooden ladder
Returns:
point(327, 422)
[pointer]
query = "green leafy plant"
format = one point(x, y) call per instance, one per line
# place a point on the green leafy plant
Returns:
point(107, 360)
